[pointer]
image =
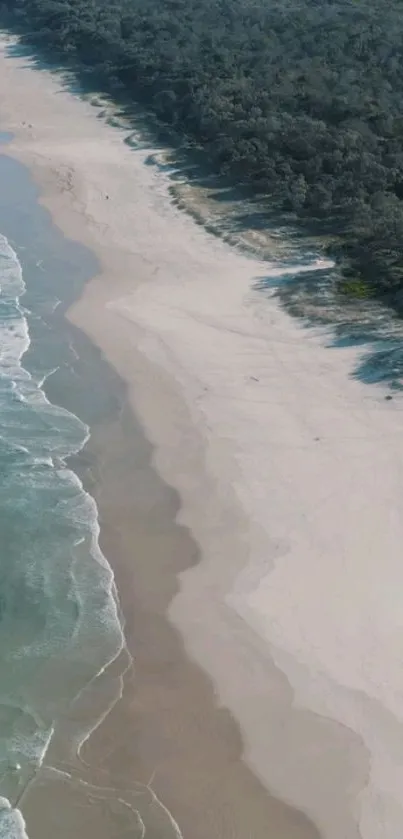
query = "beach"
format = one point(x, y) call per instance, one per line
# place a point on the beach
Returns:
point(250, 513)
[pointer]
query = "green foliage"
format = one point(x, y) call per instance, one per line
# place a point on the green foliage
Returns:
point(354, 288)
point(303, 100)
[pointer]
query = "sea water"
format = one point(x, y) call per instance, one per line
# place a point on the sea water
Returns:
point(59, 622)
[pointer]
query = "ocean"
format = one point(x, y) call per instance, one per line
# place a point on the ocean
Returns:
point(59, 617)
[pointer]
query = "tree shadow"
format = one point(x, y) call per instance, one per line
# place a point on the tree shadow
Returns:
point(371, 327)
point(236, 211)
point(236, 206)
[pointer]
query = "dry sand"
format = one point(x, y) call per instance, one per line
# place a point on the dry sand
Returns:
point(290, 473)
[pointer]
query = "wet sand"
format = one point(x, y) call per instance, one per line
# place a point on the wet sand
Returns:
point(168, 756)
point(169, 726)
point(276, 561)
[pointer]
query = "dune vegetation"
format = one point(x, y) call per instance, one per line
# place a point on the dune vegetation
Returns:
point(302, 101)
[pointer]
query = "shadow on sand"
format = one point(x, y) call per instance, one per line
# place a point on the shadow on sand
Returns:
point(247, 221)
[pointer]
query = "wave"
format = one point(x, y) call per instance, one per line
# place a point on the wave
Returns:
point(12, 825)
point(59, 613)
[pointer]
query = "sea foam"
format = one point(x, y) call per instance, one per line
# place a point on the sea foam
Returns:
point(58, 604)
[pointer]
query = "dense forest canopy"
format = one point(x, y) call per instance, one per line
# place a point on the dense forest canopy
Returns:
point(302, 99)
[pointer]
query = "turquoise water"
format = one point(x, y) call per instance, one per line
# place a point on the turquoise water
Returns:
point(59, 623)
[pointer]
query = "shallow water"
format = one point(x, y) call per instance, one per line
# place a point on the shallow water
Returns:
point(60, 626)
point(55, 584)
point(58, 613)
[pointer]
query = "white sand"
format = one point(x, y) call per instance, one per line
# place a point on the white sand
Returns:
point(292, 484)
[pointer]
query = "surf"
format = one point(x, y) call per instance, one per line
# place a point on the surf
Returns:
point(59, 614)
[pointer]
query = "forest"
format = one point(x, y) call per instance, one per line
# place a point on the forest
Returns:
point(302, 100)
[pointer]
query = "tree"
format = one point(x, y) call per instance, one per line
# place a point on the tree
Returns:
point(303, 102)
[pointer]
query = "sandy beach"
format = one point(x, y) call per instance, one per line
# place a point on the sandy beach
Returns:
point(270, 705)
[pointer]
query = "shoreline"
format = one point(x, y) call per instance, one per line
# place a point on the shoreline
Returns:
point(212, 733)
point(280, 614)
